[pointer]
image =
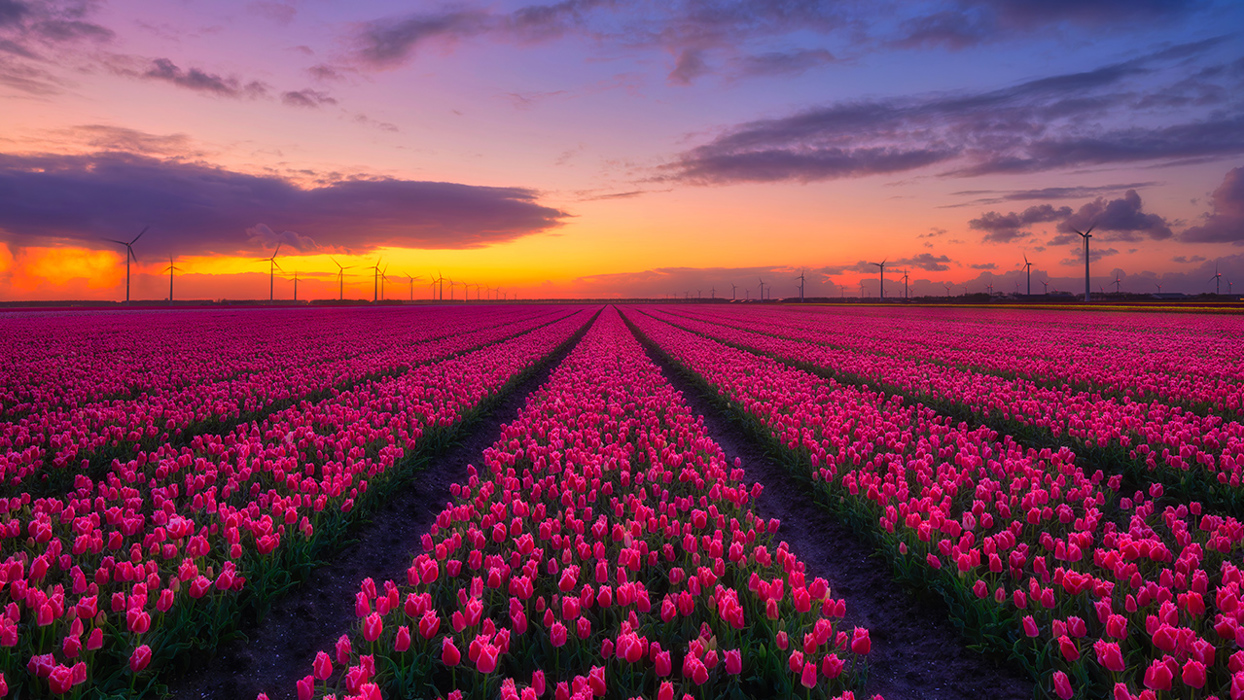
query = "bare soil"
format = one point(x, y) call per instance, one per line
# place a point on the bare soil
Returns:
point(916, 651)
point(279, 649)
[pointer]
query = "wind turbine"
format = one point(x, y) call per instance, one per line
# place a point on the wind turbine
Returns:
point(171, 267)
point(375, 282)
point(862, 289)
point(295, 285)
point(1216, 279)
point(733, 287)
point(905, 284)
point(1118, 284)
point(129, 249)
point(383, 278)
point(948, 288)
point(341, 285)
point(1028, 267)
point(713, 292)
point(801, 282)
point(1086, 235)
point(1047, 286)
point(990, 288)
point(272, 268)
point(412, 286)
point(881, 269)
point(762, 288)
point(1159, 287)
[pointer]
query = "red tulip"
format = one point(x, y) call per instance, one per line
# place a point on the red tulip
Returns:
point(429, 624)
point(1109, 655)
point(1062, 685)
point(140, 658)
point(61, 679)
point(450, 656)
point(323, 666)
point(832, 666)
point(558, 634)
point(372, 627)
point(1158, 676)
point(734, 662)
point(1194, 674)
point(487, 660)
point(860, 643)
point(402, 642)
point(306, 687)
point(664, 666)
point(808, 677)
point(343, 650)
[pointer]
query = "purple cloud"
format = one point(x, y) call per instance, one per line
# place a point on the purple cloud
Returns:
point(1225, 221)
point(1004, 228)
point(201, 81)
point(1122, 218)
point(198, 209)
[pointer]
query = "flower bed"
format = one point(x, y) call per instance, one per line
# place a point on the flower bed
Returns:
point(147, 563)
point(1099, 591)
point(604, 548)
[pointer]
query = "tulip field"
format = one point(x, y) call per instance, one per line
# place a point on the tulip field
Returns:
point(1068, 482)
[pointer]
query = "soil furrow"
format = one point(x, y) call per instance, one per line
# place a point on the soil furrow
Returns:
point(279, 649)
point(916, 653)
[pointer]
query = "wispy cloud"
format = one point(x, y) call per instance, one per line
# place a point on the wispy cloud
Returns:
point(202, 81)
point(1061, 121)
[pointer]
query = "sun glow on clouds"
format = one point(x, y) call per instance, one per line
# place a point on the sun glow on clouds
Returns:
point(35, 268)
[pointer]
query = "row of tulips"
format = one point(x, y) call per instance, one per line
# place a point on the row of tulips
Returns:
point(1189, 360)
point(606, 548)
point(1102, 593)
point(147, 563)
point(55, 443)
point(106, 355)
point(1203, 455)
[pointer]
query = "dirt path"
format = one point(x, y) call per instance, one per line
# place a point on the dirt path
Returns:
point(279, 650)
point(916, 651)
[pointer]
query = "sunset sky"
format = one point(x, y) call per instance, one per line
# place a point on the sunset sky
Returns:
point(589, 148)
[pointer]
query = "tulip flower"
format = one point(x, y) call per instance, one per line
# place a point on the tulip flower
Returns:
point(139, 658)
point(450, 656)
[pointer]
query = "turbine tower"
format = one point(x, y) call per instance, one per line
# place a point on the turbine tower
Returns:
point(948, 288)
point(1047, 286)
point(1118, 284)
point(1216, 279)
point(762, 288)
point(1086, 235)
point(881, 269)
point(129, 250)
point(905, 284)
point(341, 285)
point(375, 282)
point(801, 282)
point(733, 287)
point(295, 285)
point(1028, 267)
point(171, 267)
point(272, 268)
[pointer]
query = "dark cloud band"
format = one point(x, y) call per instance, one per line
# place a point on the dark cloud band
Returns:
point(198, 209)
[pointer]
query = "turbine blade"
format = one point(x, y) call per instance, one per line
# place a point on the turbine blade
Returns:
point(140, 235)
point(132, 255)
